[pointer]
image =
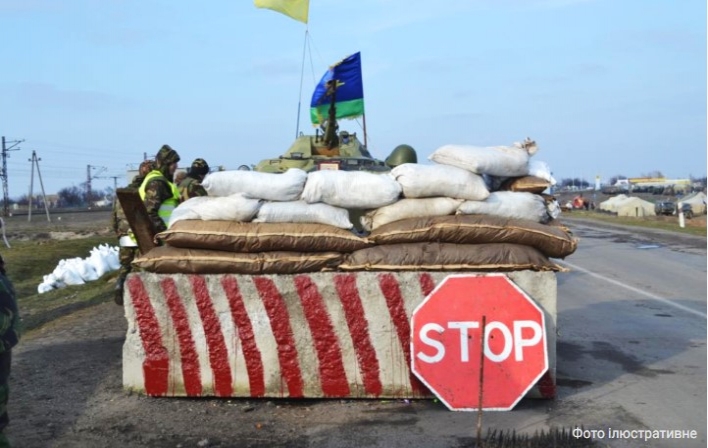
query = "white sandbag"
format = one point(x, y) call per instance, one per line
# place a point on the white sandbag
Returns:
point(409, 208)
point(97, 261)
point(430, 181)
point(508, 204)
point(301, 211)
point(554, 209)
point(504, 161)
point(542, 170)
point(185, 210)
point(351, 189)
point(66, 273)
point(44, 287)
point(252, 184)
point(86, 271)
point(493, 183)
point(110, 255)
point(229, 208)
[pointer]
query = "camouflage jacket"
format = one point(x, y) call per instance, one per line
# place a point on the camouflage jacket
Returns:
point(190, 188)
point(9, 316)
point(120, 222)
point(157, 191)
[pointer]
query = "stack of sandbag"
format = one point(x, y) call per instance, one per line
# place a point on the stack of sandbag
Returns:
point(230, 247)
point(475, 208)
point(463, 243)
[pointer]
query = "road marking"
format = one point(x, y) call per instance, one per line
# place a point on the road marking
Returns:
point(637, 290)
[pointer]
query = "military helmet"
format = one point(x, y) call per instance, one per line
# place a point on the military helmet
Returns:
point(166, 156)
point(400, 155)
point(199, 166)
point(145, 167)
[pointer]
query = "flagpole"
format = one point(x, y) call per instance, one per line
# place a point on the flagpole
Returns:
point(363, 117)
point(302, 75)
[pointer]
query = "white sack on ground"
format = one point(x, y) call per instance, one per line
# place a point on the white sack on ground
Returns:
point(77, 271)
point(409, 208)
point(229, 208)
point(252, 184)
point(542, 170)
point(503, 161)
point(351, 189)
point(508, 204)
point(301, 211)
point(430, 181)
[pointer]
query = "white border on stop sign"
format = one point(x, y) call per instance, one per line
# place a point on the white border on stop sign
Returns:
point(544, 341)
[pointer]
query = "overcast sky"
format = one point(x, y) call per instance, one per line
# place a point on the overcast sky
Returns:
point(605, 87)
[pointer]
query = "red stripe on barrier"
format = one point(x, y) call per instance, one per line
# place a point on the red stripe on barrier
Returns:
point(394, 300)
point(254, 362)
point(218, 355)
point(283, 333)
point(191, 372)
point(157, 360)
point(329, 354)
point(359, 330)
point(427, 284)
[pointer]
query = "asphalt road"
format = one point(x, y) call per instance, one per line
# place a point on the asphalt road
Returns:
point(631, 356)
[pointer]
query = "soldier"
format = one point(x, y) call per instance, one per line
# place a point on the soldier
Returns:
point(191, 186)
point(9, 337)
point(126, 240)
point(158, 191)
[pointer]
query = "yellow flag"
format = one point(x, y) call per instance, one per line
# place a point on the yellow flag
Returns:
point(297, 9)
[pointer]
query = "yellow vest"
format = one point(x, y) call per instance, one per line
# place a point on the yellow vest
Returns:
point(168, 206)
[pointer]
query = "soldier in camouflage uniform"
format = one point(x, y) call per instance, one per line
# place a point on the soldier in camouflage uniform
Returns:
point(9, 337)
point(158, 192)
point(191, 186)
point(126, 240)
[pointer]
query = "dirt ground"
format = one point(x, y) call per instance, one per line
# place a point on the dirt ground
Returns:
point(66, 391)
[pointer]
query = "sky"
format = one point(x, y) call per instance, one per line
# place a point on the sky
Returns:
point(605, 87)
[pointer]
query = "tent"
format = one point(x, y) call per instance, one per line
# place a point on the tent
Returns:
point(609, 205)
point(697, 201)
point(634, 206)
point(625, 205)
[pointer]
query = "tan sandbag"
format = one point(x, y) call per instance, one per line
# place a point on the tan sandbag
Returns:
point(528, 184)
point(174, 260)
point(448, 257)
point(553, 241)
point(252, 237)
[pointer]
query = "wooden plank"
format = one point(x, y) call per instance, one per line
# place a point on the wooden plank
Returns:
point(138, 218)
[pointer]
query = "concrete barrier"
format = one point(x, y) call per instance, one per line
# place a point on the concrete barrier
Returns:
point(308, 335)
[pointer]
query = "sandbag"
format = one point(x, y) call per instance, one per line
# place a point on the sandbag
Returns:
point(448, 257)
point(541, 169)
point(252, 184)
point(351, 189)
point(229, 208)
point(504, 161)
point(552, 241)
point(508, 204)
point(301, 211)
point(409, 208)
point(528, 184)
point(261, 237)
point(427, 181)
point(174, 260)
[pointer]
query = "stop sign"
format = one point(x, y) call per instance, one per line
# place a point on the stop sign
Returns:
point(446, 342)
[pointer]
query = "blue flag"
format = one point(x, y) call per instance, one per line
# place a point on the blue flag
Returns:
point(350, 91)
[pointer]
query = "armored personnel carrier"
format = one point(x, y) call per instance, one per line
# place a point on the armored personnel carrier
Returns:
point(334, 150)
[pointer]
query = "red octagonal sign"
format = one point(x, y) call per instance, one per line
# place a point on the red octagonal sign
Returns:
point(446, 344)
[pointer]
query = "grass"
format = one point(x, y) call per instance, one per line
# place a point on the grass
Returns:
point(692, 227)
point(27, 263)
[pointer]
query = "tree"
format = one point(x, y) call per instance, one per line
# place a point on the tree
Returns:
point(71, 196)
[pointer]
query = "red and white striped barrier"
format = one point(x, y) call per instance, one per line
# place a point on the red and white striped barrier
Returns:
point(308, 335)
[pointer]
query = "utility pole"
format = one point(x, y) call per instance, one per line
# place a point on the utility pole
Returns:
point(6, 194)
point(35, 161)
point(88, 180)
